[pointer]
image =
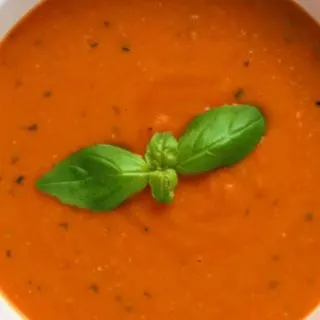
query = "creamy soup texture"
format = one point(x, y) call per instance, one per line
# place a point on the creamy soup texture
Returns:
point(239, 243)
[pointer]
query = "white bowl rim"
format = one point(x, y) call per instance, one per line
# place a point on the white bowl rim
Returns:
point(11, 12)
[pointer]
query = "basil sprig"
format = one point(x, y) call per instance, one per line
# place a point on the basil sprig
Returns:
point(102, 177)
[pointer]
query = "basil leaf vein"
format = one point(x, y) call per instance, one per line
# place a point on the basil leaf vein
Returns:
point(98, 178)
point(219, 137)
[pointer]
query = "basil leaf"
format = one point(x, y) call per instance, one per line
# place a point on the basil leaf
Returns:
point(162, 151)
point(220, 137)
point(98, 178)
point(162, 185)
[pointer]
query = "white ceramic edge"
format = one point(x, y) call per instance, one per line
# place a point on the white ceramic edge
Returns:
point(11, 11)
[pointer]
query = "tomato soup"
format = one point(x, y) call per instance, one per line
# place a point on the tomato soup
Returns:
point(237, 243)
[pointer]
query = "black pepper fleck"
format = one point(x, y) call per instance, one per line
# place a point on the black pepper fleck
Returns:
point(246, 63)
point(116, 109)
point(32, 127)
point(32, 284)
point(8, 253)
point(47, 94)
point(128, 308)
point(20, 179)
point(94, 44)
point(199, 260)
point(275, 257)
point(150, 129)
point(146, 229)
point(14, 159)
point(273, 284)
point(125, 48)
point(309, 217)
point(94, 288)
point(239, 94)
point(147, 294)
point(106, 24)
point(317, 103)
point(18, 83)
point(64, 225)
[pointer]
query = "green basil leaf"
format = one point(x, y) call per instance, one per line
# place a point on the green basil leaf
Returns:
point(163, 184)
point(162, 151)
point(220, 137)
point(99, 178)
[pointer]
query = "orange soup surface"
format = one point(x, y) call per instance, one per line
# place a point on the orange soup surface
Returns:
point(238, 243)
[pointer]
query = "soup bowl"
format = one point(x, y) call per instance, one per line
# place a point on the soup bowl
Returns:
point(11, 12)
